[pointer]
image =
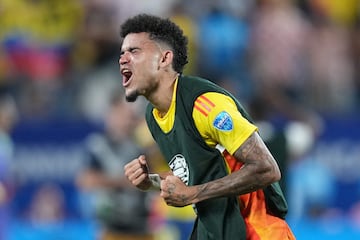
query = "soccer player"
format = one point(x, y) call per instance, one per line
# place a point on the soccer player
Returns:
point(219, 163)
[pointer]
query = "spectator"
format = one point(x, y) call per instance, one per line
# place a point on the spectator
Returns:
point(277, 47)
point(331, 87)
point(311, 183)
point(223, 48)
point(274, 136)
point(120, 208)
point(47, 205)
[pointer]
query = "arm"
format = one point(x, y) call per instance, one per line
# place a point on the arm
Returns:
point(259, 170)
point(93, 179)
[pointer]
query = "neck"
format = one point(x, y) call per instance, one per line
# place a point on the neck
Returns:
point(163, 97)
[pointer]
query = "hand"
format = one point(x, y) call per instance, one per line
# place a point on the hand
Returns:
point(175, 193)
point(137, 173)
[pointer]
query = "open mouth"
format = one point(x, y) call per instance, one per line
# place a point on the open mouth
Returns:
point(126, 74)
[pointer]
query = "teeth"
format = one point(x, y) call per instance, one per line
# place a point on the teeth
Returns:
point(126, 73)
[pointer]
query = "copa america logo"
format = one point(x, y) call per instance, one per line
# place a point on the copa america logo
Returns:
point(179, 167)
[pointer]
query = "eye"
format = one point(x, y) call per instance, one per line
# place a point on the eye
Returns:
point(134, 50)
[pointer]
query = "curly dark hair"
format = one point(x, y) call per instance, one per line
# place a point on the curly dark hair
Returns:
point(162, 30)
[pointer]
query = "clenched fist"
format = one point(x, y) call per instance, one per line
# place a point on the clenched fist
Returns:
point(137, 172)
point(176, 193)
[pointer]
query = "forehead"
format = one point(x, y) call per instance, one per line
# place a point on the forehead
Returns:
point(137, 40)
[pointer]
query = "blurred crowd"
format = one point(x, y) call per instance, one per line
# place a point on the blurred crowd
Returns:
point(293, 60)
point(59, 58)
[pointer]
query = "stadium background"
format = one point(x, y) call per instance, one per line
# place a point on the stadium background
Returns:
point(59, 62)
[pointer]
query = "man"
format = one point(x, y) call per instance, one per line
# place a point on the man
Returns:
point(219, 164)
point(120, 209)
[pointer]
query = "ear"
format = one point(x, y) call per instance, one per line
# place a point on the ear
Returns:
point(167, 58)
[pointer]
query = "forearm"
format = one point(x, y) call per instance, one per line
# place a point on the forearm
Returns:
point(259, 170)
point(118, 182)
point(90, 179)
point(235, 184)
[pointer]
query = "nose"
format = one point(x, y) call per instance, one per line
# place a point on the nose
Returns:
point(123, 58)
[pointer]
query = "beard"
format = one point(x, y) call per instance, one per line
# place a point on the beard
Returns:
point(132, 96)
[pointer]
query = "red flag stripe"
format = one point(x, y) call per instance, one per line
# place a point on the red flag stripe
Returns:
point(207, 100)
point(207, 108)
point(201, 110)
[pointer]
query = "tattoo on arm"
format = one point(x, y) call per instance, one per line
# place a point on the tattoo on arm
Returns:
point(253, 149)
point(259, 170)
point(246, 149)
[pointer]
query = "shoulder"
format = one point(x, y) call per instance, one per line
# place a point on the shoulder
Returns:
point(211, 101)
point(191, 87)
point(195, 83)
